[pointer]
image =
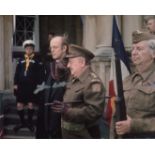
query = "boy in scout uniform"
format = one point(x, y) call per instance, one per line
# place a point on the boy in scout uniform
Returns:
point(83, 100)
point(139, 90)
point(29, 73)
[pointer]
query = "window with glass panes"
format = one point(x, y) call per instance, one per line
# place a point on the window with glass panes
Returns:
point(26, 27)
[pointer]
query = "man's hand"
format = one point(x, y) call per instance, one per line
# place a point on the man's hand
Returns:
point(123, 127)
point(15, 87)
point(59, 107)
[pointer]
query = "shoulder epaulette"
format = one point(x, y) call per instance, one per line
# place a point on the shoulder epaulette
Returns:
point(94, 78)
point(93, 75)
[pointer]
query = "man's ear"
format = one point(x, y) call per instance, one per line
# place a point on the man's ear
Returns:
point(153, 54)
point(64, 48)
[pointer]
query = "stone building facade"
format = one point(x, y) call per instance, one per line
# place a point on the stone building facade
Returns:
point(92, 31)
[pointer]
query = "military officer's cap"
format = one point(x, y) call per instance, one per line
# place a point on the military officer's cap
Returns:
point(138, 36)
point(28, 43)
point(77, 51)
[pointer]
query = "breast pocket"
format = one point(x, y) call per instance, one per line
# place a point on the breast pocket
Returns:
point(146, 98)
point(127, 89)
point(78, 93)
point(129, 97)
point(74, 95)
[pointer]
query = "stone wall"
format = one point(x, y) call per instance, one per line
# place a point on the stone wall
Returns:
point(97, 36)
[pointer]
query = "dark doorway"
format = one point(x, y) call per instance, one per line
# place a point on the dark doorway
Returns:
point(60, 24)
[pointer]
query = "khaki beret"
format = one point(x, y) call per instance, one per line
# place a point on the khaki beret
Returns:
point(138, 36)
point(28, 43)
point(76, 51)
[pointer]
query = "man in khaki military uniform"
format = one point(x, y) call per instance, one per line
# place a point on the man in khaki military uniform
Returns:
point(83, 99)
point(150, 23)
point(139, 90)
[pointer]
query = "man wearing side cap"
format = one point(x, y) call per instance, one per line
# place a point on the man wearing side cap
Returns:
point(139, 90)
point(29, 73)
point(83, 100)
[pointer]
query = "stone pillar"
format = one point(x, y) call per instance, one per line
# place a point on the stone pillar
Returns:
point(130, 23)
point(1, 53)
point(104, 30)
point(89, 32)
point(8, 40)
point(6, 28)
point(101, 63)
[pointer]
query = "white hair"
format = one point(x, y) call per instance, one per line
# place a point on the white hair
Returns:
point(151, 44)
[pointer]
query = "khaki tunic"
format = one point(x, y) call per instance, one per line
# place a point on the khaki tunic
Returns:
point(139, 92)
point(85, 98)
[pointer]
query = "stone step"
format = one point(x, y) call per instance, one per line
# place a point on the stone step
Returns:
point(14, 119)
point(11, 119)
point(8, 131)
point(17, 137)
point(12, 109)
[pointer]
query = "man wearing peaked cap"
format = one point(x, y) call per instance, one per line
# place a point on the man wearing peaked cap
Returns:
point(75, 51)
point(83, 100)
point(139, 90)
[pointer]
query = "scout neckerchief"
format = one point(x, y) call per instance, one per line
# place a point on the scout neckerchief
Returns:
point(27, 60)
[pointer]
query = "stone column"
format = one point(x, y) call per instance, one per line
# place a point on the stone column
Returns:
point(89, 32)
point(130, 23)
point(1, 53)
point(6, 28)
point(8, 40)
point(101, 63)
point(104, 30)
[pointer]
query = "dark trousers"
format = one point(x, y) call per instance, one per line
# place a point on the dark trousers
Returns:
point(55, 126)
point(139, 136)
point(48, 124)
point(40, 125)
